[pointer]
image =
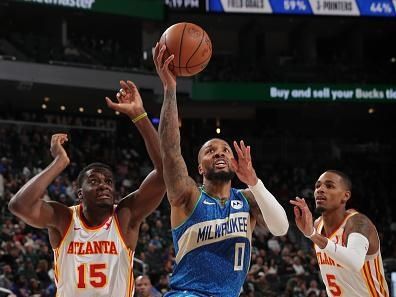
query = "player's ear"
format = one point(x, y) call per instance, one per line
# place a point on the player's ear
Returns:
point(200, 170)
point(346, 197)
point(79, 194)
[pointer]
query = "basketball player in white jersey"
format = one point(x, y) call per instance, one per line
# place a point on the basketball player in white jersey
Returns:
point(94, 242)
point(346, 242)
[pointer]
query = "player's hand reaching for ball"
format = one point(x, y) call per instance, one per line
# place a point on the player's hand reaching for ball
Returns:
point(167, 77)
point(57, 150)
point(129, 100)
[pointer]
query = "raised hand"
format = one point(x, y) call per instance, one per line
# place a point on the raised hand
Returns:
point(167, 77)
point(57, 149)
point(243, 166)
point(303, 216)
point(129, 100)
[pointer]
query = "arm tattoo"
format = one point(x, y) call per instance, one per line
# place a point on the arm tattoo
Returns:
point(360, 223)
point(175, 169)
point(169, 124)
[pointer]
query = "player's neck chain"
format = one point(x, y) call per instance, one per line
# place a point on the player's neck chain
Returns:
point(222, 200)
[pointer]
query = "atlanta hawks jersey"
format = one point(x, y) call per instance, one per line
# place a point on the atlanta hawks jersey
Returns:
point(339, 281)
point(93, 262)
point(212, 248)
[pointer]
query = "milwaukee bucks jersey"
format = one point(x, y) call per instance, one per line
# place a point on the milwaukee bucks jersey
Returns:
point(213, 248)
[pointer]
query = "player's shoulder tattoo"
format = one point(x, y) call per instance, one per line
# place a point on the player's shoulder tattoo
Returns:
point(359, 223)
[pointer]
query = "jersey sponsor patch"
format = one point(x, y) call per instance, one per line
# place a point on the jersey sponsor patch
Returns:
point(235, 204)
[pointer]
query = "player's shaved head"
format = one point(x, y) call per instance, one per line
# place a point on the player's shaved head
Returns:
point(209, 143)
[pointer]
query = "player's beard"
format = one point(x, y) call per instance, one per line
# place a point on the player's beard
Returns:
point(105, 204)
point(319, 210)
point(220, 176)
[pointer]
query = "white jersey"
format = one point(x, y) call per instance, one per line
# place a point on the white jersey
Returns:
point(93, 262)
point(368, 282)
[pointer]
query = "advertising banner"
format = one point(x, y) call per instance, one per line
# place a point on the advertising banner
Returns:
point(291, 6)
point(153, 9)
point(186, 5)
point(248, 6)
point(378, 8)
point(222, 91)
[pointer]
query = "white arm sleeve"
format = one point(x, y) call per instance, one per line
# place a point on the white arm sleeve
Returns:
point(353, 255)
point(273, 213)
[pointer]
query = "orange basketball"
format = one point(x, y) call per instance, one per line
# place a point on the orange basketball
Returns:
point(191, 46)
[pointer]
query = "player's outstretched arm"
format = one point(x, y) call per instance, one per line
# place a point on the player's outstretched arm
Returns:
point(263, 204)
point(150, 193)
point(180, 187)
point(27, 203)
point(351, 256)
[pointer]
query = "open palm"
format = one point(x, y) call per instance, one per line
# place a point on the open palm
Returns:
point(243, 166)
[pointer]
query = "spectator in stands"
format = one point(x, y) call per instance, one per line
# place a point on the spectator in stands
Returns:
point(27, 269)
point(6, 277)
point(144, 287)
point(154, 260)
point(42, 273)
point(297, 266)
point(1, 186)
point(313, 288)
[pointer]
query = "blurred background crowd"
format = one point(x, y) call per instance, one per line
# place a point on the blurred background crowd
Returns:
point(280, 266)
point(57, 64)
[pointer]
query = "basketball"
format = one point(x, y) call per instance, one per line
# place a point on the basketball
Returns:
point(191, 46)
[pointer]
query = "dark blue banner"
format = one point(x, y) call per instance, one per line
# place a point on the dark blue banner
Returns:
point(379, 8)
point(376, 8)
point(291, 6)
